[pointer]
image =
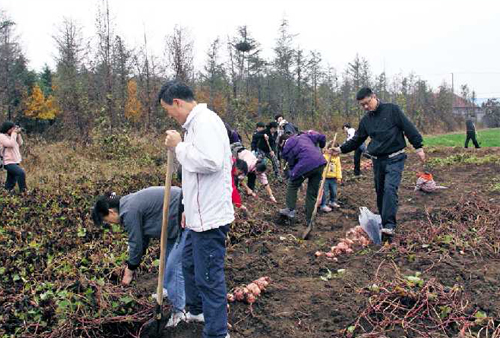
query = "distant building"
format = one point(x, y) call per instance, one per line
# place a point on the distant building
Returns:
point(467, 108)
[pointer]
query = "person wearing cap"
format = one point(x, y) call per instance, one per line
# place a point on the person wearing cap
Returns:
point(257, 135)
point(387, 126)
point(141, 215)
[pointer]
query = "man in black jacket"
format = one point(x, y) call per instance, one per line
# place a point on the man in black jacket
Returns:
point(264, 144)
point(471, 133)
point(387, 126)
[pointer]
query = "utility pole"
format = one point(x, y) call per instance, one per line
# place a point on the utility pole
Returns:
point(452, 92)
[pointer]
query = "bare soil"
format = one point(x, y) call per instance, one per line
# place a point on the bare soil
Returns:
point(299, 303)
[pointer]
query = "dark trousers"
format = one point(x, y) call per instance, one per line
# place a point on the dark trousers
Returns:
point(205, 284)
point(313, 182)
point(471, 135)
point(15, 174)
point(357, 159)
point(387, 173)
point(252, 177)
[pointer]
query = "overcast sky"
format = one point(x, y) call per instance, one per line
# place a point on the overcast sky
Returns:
point(431, 38)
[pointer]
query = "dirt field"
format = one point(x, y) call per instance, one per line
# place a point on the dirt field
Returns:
point(59, 273)
point(299, 303)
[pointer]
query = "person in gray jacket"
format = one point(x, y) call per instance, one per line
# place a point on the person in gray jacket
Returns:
point(141, 215)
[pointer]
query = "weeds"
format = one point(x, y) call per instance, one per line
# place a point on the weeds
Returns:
point(419, 307)
point(464, 158)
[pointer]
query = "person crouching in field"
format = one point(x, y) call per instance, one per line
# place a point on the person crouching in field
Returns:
point(141, 215)
point(248, 165)
point(205, 156)
point(333, 177)
point(305, 161)
point(10, 140)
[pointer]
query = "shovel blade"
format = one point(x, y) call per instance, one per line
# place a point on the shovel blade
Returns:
point(153, 328)
point(307, 232)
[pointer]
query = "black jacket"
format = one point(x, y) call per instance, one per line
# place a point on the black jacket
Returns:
point(470, 126)
point(259, 142)
point(386, 126)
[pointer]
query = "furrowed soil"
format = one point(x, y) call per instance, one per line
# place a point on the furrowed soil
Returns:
point(298, 303)
point(59, 274)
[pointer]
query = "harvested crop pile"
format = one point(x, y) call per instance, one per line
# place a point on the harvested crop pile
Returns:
point(249, 293)
point(354, 237)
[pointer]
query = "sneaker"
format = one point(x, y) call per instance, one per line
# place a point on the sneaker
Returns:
point(325, 208)
point(165, 294)
point(176, 318)
point(334, 205)
point(287, 212)
point(195, 318)
point(388, 232)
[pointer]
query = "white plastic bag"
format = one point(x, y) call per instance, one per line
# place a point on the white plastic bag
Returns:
point(371, 224)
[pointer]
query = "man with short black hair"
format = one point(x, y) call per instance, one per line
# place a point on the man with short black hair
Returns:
point(205, 156)
point(387, 126)
point(264, 144)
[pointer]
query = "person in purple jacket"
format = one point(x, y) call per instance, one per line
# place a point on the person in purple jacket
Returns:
point(306, 161)
point(232, 134)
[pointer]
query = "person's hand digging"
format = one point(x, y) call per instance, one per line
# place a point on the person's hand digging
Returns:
point(128, 277)
point(244, 211)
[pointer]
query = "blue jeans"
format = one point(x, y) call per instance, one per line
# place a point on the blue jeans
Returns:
point(174, 279)
point(203, 268)
point(387, 173)
point(15, 174)
point(329, 187)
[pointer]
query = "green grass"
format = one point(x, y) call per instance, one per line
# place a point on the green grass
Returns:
point(485, 137)
point(467, 158)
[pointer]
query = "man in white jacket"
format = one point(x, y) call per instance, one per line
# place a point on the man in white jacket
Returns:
point(205, 156)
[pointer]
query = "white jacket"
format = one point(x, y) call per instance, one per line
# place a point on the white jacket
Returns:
point(205, 156)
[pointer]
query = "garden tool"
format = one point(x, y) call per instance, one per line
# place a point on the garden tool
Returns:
point(309, 228)
point(154, 326)
point(274, 158)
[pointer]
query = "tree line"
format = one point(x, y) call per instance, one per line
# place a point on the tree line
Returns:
point(109, 84)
